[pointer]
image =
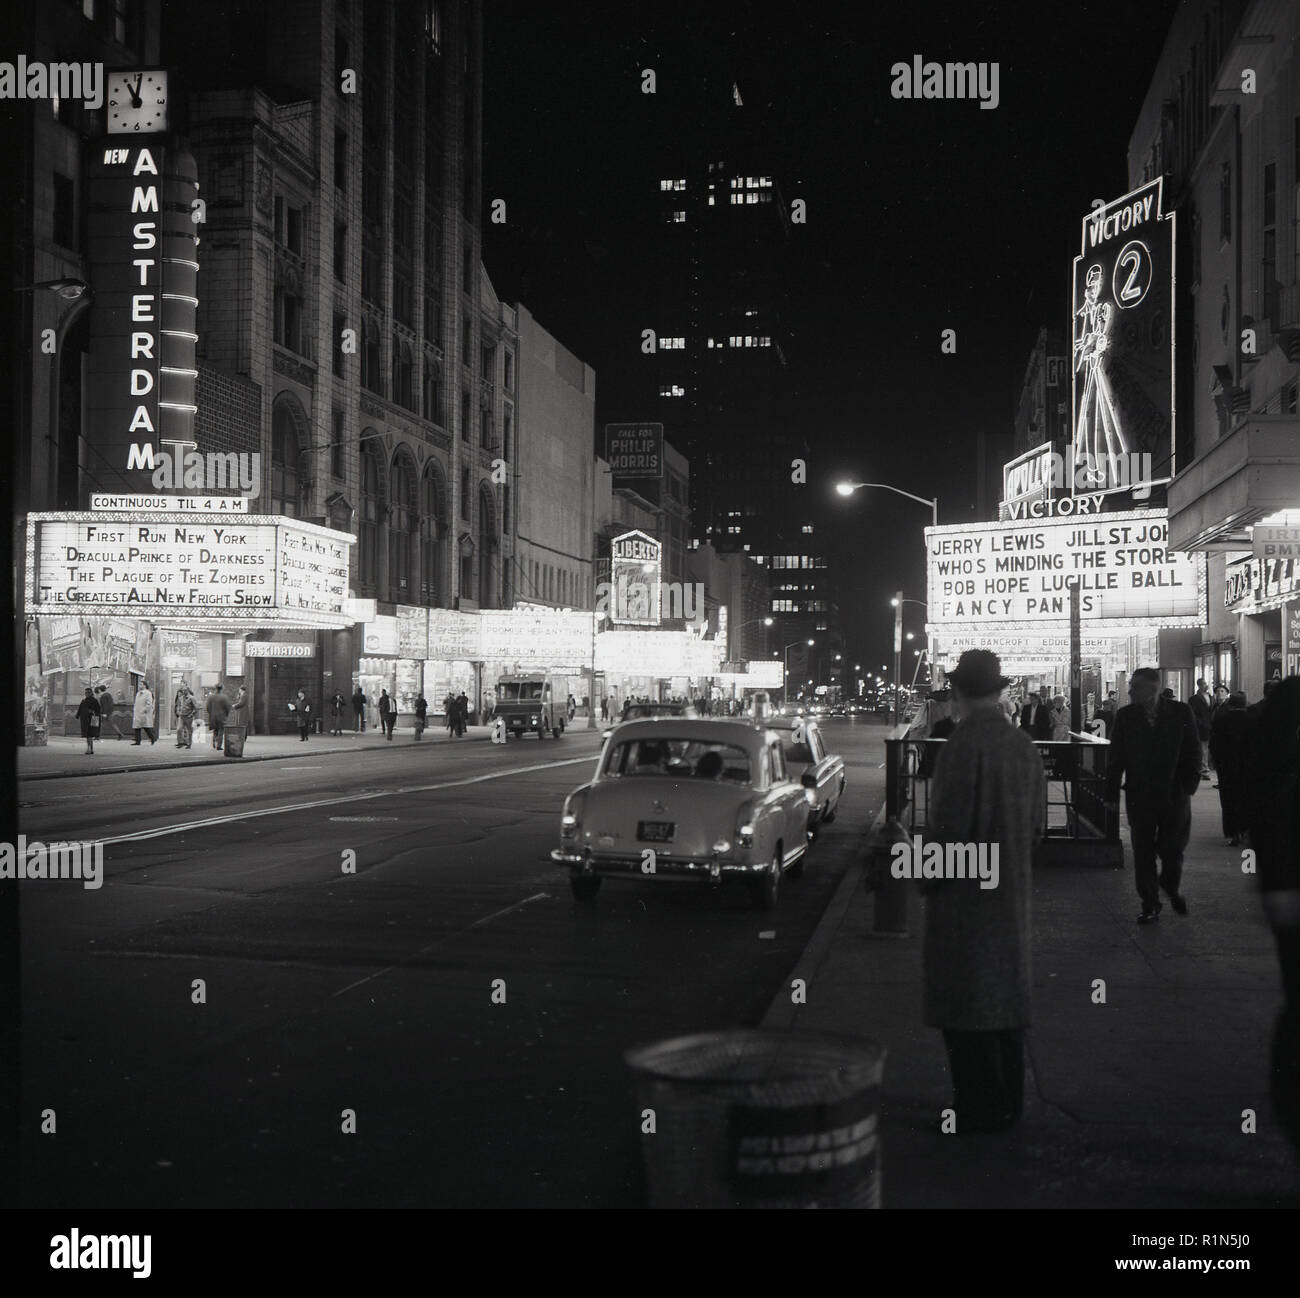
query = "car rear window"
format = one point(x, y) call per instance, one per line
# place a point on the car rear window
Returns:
point(680, 759)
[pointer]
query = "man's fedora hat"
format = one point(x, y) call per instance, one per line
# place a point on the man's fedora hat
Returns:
point(978, 673)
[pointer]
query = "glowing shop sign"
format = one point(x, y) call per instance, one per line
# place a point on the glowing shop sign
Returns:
point(264, 568)
point(536, 637)
point(453, 636)
point(1017, 575)
point(412, 632)
point(278, 649)
point(381, 636)
point(636, 574)
point(657, 654)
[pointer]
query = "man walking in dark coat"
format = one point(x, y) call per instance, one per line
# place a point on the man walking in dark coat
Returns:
point(462, 712)
point(387, 714)
point(358, 710)
point(218, 708)
point(987, 801)
point(1154, 750)
point(1202, 705)
point(1228, 739)
point(1036, 715)
point(106, 706)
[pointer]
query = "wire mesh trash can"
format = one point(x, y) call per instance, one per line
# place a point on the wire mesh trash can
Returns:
point(754, 1119)
point(233, 737)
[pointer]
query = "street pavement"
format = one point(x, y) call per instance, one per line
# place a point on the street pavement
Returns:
point(449, 993)
point(328, 991)
point(1136, 1102)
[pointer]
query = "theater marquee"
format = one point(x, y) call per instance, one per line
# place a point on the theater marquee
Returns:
point(1016, 576)
point(261, 569)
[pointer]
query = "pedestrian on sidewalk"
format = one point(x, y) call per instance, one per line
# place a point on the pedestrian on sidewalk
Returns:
point(462, 712)
point(1202, 705)
point(988, 795)
point(218, 710)
point(185, 708)
point(358, 711)
point(89, 715)
point(142, 714)
point(239, 712)
point(1106, 715)
point(301, 709)
point(106, 706)
point(421, 714)
point(449, 711)
point(338, 709)
point(1155, 751)
point(1036, 715)
point(1228, 740)
point(387, 714)
point(1273, 816)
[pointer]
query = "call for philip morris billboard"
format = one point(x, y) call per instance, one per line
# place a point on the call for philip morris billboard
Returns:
point(1123, 345)
point(634, 450)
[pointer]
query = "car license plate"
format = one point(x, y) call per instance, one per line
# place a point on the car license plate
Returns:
point(655, 831)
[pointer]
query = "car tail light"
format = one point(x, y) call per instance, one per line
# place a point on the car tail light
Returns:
point(570, 824)
point(745, 827)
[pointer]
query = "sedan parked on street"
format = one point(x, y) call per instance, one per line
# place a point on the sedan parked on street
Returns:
point(681, 799)
point(820, 770)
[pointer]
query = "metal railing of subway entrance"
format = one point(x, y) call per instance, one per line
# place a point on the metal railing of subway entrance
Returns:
point(1075, 793)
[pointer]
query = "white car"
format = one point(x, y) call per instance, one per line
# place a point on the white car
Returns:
point(681, 799)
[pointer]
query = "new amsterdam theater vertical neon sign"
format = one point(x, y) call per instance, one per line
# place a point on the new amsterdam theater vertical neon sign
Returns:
point(143, 253)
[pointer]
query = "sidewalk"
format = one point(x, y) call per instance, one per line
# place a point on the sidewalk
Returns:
point(1133, 1103)
point(66, 755)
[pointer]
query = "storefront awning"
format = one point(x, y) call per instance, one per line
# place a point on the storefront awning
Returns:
point(1251, 474)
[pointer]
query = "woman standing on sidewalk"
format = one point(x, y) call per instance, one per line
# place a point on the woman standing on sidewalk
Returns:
point(89, 715)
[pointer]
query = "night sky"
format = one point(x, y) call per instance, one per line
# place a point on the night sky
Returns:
point(923, 215)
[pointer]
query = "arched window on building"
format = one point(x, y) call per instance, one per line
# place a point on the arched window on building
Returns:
point(370, 515)
point(403, 528)
point(404, 375)
point(487, 550)
point(372, 376)
point(286, 457)
point(433, 528)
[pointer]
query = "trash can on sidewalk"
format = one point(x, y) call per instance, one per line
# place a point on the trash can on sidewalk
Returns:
point(755, 1119)
point(234, 740)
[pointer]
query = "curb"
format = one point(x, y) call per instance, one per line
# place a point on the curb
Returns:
point(214, 761)
point(782, 1012)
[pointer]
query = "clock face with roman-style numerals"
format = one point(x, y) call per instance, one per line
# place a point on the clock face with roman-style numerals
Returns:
point(137, 101)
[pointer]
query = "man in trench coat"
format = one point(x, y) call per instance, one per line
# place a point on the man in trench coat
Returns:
point(989, 795)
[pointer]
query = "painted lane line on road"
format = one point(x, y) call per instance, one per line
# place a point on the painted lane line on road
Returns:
point(478, 923)
point(163, 831)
